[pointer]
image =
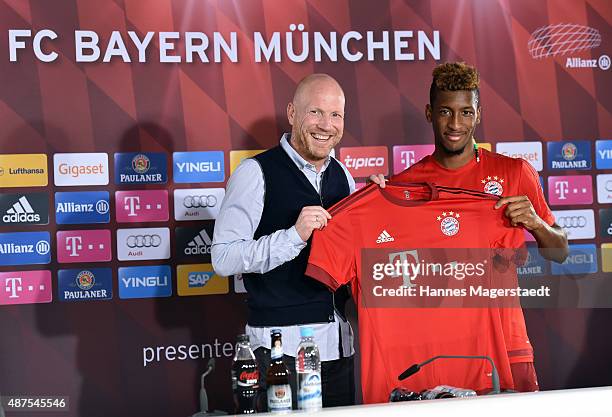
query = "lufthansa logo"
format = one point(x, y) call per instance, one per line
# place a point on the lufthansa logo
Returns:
point(195, 201)
point(570, 222)
point(143, 241)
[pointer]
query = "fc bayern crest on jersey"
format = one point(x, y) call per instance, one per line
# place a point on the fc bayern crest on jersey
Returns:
point(449, 223)
point(493, 185)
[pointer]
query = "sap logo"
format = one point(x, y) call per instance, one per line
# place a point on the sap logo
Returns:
point(198, 279)
point(193, 167)
point(357, 163)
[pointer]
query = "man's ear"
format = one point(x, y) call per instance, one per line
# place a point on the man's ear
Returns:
point(428, 112)
point(478, 115)
point(290, 113)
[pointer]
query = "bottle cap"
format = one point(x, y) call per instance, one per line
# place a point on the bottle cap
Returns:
point(279, 331)
point(306, 332)
point(243, 338)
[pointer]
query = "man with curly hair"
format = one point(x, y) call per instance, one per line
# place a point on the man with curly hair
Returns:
point(454, 112)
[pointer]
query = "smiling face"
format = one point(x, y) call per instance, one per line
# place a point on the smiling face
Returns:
point(316, 115)
point(454, 116)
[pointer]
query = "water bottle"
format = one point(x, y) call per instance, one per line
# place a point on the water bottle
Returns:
point(308, 370)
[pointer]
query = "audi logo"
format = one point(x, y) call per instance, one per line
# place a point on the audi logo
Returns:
point(194, 201)
point(608, 185)
point(143, 241)
point(572, 222)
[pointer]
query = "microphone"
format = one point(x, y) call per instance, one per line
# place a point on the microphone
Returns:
point(494, 375)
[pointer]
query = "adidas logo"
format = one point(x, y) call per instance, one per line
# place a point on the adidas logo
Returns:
point(21, 212)
point(385, 237)
point(199, 245)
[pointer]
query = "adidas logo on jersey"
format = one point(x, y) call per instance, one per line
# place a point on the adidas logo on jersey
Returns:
point(199, 245)
point(21, 212)
point(385, 237)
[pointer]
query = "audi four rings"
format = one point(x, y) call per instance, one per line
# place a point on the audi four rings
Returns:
point(143, 241)
point(194, 201)
point(570, 222)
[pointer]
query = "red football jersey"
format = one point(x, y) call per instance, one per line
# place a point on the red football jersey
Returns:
point(393, 338)
point(498, 175)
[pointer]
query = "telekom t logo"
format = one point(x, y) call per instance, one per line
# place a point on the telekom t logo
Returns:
point(142, 206)
point(13, 285)
point(83, 246)
point(561, 189)
point(25, 287)
point(74, 245)
point(407, 158)
point(570, 189)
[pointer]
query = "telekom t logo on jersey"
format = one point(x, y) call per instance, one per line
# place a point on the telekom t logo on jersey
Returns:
point(83, 246)
point(142, 206)
point(570, 189)
point(25, 287)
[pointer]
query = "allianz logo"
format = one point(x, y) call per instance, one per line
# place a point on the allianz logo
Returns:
point(42, 248)
point(202, 166)
point(199, 245)
point(101, 207)
point(150, 281)
point(21, 212)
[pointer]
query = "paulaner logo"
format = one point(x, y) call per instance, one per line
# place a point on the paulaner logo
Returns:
point(141, 168)
point(85, 284)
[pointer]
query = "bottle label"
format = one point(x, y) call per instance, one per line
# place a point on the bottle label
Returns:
point(310, 393)
point(276, 352)
point(248, 379)
point(279, 398)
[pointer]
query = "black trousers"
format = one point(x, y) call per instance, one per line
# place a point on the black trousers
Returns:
point(338, 379)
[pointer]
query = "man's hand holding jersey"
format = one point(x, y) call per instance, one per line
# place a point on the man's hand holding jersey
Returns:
point(552, 239)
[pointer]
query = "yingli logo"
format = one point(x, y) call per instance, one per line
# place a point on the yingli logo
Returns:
point(363, 161)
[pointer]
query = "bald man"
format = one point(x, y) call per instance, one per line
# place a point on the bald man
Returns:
point(273, 202)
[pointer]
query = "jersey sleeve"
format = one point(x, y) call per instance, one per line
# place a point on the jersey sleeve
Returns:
point(529, 185)
point(332, 256)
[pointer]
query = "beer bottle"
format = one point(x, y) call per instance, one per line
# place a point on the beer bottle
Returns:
point(277, 377)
